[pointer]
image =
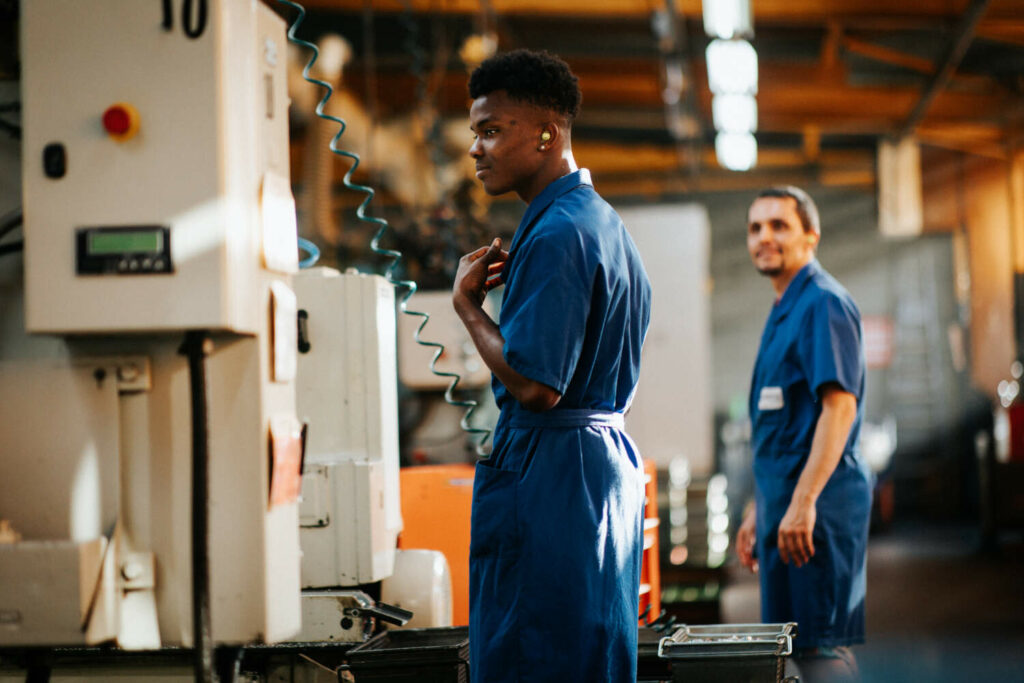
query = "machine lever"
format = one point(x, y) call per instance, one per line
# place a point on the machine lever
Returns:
point(383, 611)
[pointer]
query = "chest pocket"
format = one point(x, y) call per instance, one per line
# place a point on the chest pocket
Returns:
point(771, 400)
point(770, 417)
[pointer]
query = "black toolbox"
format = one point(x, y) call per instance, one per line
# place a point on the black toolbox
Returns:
point(415, 655)
point(729, 653)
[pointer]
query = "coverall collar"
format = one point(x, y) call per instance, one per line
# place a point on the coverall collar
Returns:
point(784, 305)
point(550, 193)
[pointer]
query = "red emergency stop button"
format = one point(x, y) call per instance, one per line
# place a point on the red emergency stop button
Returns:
point(121, 121)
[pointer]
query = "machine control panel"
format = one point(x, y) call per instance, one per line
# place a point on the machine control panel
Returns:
point(123, 250)
point(149, 129)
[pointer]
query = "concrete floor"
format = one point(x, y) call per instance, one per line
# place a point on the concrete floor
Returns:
point(937, 609)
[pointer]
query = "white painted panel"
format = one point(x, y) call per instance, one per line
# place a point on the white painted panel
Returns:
point(346, 390)
point(672, 412)
point(59, 454)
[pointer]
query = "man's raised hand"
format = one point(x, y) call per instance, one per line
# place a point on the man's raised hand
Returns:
point(479, 272)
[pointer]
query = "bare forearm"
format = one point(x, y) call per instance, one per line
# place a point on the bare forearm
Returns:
point(838, 412)
point(490, 345)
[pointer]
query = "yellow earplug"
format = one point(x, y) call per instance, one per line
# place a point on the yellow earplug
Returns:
point(545, 136)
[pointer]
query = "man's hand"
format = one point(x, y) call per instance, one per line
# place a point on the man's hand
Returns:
point(795, 533)
point(838, 412)
point(479, 272)
point(746, 536)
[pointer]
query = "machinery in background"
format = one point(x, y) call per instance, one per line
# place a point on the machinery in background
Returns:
point(460, 355)
point(158, 207)
point(436, 435)
point(155, 204)
point(695, 542)
point(351, 515)
point(437, 504)
point(1000, 454)
point(650, 565)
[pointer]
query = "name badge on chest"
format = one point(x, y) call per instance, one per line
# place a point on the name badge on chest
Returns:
point(770, 399)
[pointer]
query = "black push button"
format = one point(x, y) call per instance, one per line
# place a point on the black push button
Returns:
point(55, 160)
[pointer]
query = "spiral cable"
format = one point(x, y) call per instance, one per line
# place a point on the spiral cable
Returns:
point(311, 249)
point(409, 286)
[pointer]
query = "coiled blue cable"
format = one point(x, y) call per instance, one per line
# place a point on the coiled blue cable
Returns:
point(382, 225)
point(311, 249)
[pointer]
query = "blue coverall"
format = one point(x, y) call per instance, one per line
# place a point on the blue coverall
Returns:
point(813, 337)
point(557, 521)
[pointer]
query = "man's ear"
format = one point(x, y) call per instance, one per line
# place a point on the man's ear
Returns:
point(548, 136)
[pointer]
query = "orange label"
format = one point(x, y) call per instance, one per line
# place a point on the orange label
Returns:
point(285, 460)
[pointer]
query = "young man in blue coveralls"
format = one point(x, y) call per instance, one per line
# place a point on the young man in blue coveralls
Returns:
point(807, 535)
point(558, 507)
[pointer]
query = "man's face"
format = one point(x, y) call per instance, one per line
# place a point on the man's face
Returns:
point(776, 239)
point(507, 135)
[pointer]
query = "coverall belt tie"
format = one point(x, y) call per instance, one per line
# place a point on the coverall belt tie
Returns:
point(555, 419)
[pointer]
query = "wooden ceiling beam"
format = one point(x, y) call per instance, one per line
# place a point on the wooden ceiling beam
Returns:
point(947, 65)
point(612, 158)
point(887, 55)
point(717, 180)
point(830, 45)
point(630, 160)
point(1003, 31)
point(866, 124)
point(765, 11)
point(786, 91)
point(968, 131)
point(675, 181)
point(814, 102)
point(967, 147)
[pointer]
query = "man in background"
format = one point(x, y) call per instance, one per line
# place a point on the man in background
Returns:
point(807, 535)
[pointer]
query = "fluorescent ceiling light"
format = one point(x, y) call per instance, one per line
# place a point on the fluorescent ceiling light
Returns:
point(736, 151)
point(734, 113)
point(732, 67)
point(728, 19)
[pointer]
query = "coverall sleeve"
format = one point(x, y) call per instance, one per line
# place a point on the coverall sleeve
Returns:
point(832, 348)
point(544, 313)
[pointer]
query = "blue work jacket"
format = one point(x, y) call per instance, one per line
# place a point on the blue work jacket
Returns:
point(557, 521)
point(813, 337)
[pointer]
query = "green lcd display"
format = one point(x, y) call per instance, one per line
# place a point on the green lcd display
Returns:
point(125, 242)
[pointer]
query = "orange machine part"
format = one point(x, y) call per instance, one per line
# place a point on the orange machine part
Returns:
point(436, 505)
point(650, 570)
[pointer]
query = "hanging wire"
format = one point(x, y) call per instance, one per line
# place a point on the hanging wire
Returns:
point(311, 249)
point(390, 272)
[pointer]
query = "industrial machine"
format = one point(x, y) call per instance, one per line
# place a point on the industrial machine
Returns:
point(350, 514)
point(165, 374)
point(150, 211)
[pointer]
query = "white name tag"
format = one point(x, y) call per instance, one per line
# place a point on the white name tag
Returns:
point(770, 399)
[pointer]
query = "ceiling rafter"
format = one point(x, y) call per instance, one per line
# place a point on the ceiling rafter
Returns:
point(958, 45)
point(765, 11)
point(888, 55)
point(791, 97)
point(827, 81)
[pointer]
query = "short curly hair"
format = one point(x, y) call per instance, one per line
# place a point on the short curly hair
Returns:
point(538, 78)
